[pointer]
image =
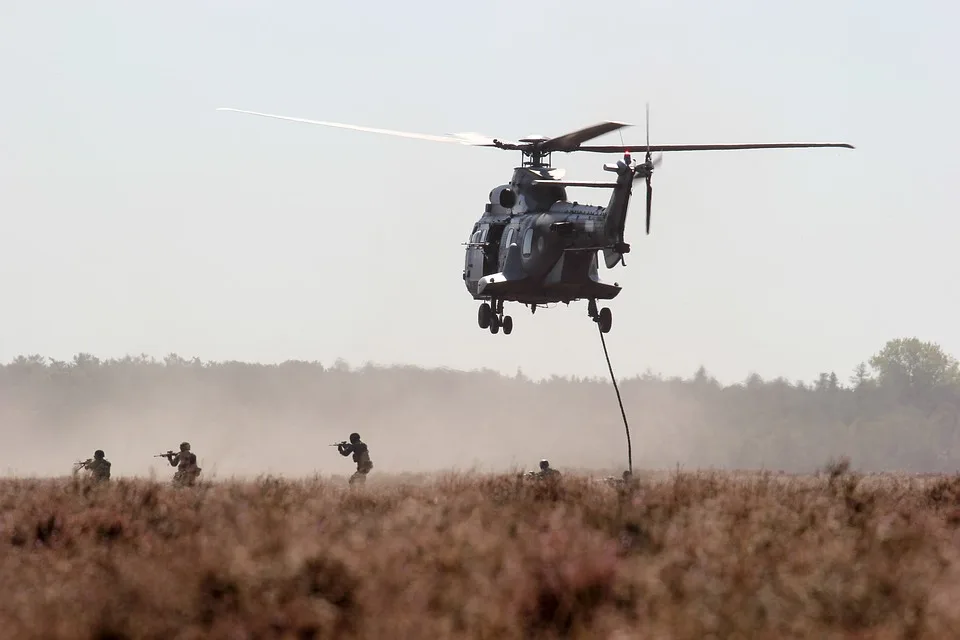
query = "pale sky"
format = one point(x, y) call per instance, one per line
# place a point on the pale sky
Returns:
point(137, 218)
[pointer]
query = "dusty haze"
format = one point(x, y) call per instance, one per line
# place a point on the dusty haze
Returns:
point(250, 419)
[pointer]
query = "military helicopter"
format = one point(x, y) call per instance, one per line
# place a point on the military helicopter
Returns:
point(535, 247)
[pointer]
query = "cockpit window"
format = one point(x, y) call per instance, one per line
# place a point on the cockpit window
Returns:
point(527, 242)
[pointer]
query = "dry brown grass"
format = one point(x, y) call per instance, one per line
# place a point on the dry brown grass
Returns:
point(679, 555)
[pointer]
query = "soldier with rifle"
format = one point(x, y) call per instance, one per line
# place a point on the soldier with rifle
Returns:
point(625, 481)
point(361, 455)
point(98, 466)
point(546, 472)
point(186, 463)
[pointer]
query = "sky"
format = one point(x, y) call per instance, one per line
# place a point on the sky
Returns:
point(139, 219)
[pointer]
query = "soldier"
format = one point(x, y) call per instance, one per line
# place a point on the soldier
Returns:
point(186, 463)
point(624, 481)
point(547, 471)
point(99, 466)
point(361, 455)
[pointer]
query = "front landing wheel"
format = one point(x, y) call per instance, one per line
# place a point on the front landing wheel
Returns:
point(507, 325)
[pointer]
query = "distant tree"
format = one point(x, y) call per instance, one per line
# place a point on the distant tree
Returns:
point(861, 376)
point(827, 382)
point(174, 360)
point(822, 383)
point(650, 376)
point(702, 378)
point(85, 361)
point(754, 381)
point(910, 363)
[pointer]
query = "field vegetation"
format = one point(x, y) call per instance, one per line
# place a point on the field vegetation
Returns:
point(272, 543)
point(682, 555)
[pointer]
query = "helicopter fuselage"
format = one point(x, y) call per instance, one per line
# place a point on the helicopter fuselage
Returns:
point(554, 256)
point(534, 246)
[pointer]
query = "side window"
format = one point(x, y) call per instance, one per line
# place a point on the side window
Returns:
point(527, 242)
point(483, 234)
point(510, 233)
point(475, 238)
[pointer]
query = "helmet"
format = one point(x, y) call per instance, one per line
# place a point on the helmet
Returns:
point(98, 453)
point(354, 437)
point(544, 463)
point(184, 446)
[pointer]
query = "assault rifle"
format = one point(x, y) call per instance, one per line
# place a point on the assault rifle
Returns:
point(82, 463)
point(164, 455)
point(337, 444)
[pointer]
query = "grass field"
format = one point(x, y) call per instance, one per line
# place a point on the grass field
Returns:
point(682, 555)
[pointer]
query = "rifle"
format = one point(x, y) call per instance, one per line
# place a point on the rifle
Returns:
point(164, 455)
point(83, 463)
point(337, 444)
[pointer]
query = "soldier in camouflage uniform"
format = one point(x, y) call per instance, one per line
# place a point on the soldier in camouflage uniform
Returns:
point(186, 463)
point(99, 466)
point(624, 481)
point(546, 471)
point(361, 455)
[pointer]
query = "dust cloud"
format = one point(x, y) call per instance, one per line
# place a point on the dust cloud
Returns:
point(245, 420)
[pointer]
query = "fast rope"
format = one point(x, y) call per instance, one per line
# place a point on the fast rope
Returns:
point(619, 401)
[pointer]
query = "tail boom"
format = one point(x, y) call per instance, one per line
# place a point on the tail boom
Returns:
point(615, 217)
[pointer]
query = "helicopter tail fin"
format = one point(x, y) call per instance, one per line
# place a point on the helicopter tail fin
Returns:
point(616, 212)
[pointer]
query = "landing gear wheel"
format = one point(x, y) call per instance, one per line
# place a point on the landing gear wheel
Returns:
point(494, 324)
point(605, 319)
point(507, 325)
point(484, 314)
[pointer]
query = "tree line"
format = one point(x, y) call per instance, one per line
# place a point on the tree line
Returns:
point(899, 409)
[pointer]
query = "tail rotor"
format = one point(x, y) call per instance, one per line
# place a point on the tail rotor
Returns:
point(649, 164)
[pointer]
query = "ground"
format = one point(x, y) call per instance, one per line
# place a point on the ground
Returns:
point(682, 555)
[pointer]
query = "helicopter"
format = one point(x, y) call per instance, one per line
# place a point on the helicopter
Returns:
point(532, 245)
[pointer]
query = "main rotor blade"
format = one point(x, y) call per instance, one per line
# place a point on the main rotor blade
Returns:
point(717, 147)
point(471, 139)
point(571, 141)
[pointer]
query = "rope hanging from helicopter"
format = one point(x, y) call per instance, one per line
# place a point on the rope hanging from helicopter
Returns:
point(616, 388)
